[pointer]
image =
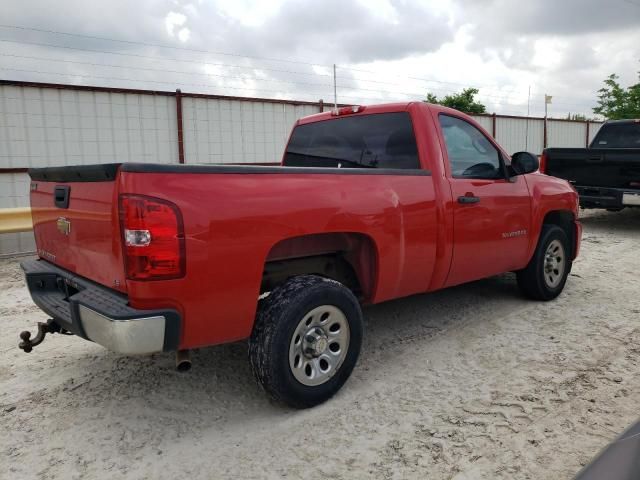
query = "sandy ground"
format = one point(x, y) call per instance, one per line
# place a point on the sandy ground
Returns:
point(470, 383)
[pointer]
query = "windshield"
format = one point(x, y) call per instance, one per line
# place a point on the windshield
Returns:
point(618, 135)
point(384, 140)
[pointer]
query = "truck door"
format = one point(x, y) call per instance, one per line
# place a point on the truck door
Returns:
point(492, 215)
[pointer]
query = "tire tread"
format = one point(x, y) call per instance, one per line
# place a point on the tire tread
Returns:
point(272, 312)
point(530, 280)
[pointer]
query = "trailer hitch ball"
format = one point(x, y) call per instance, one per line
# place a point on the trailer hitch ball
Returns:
point(26, 344)
point(50, 326)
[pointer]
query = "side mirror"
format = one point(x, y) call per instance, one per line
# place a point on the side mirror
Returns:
point(524, 162)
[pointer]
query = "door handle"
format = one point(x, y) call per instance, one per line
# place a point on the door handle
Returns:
point(468, 198)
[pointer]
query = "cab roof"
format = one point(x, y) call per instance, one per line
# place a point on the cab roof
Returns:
point(372, 109)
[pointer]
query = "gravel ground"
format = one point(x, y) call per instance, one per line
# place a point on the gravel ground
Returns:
point(473, 382)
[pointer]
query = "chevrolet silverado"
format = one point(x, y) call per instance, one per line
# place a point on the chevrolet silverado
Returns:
point(370, 203)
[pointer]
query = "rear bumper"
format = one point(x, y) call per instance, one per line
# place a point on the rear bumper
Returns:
point(99, 314)
point(604, 197)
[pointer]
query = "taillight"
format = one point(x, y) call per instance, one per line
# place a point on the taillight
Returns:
point(152, 238)
point(543, 163)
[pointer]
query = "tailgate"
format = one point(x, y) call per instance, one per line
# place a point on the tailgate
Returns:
point(613, 168)
point(75, 221)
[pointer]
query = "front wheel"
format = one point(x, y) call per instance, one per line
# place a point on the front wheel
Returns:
point(306, 340)
point(546, 274)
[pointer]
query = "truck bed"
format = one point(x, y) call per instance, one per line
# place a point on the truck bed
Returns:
point(229, 211)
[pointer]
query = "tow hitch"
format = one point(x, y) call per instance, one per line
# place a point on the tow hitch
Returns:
point(50, 326)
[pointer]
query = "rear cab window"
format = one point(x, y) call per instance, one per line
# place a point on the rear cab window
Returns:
point(618, 135)
point(381, 140)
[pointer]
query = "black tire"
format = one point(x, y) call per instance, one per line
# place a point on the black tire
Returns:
point(278, 318)
point(532, 280)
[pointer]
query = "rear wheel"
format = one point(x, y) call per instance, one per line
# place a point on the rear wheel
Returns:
point(306, 340)
point(546, 274)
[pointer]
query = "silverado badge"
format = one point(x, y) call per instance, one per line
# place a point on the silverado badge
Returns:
point(64, 225)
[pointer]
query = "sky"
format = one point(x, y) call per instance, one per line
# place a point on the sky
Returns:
point(513, 51)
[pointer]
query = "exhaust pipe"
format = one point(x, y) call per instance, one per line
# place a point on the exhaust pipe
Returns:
point(183, 360)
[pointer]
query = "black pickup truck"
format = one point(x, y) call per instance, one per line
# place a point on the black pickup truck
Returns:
point(607, 174)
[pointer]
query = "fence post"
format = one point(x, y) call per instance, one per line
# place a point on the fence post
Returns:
point(321, 102)
point(493, 125)
point(179, 123)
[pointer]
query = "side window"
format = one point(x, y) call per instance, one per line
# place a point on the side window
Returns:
point(470, 153)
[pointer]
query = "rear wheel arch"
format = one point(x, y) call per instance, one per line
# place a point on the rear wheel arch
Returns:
point(347, 257)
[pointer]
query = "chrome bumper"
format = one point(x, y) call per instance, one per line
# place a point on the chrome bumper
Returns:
point(131, 337)
point(100, 314)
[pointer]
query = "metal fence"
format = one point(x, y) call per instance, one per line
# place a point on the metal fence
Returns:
point(55, 125)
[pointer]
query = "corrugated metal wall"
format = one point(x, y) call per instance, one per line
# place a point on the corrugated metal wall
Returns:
point(48, 125)
point(42, 127)
point(520, 134)
point(566, 134)
point(14, 192)
point(527, 134)
point(232, 131)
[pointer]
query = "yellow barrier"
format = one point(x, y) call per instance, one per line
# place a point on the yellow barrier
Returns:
point(14, 220)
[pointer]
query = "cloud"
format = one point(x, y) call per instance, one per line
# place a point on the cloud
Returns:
point(385, 49)
point(174, 20)
point(569, 29)
point(331, 31)
point(496, 18)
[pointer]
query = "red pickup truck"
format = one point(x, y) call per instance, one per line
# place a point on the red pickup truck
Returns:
point(370, 204)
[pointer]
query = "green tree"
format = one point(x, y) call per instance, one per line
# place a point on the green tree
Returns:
point(463, 101)
point(616, 102)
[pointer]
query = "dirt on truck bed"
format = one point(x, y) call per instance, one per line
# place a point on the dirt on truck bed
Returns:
point(473, 382)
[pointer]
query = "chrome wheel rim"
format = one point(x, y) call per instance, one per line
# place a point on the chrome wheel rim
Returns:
point(319, 345)
point(554, 264)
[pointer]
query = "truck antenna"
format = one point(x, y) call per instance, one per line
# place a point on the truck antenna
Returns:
point(526, 141)
point(335, 89)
